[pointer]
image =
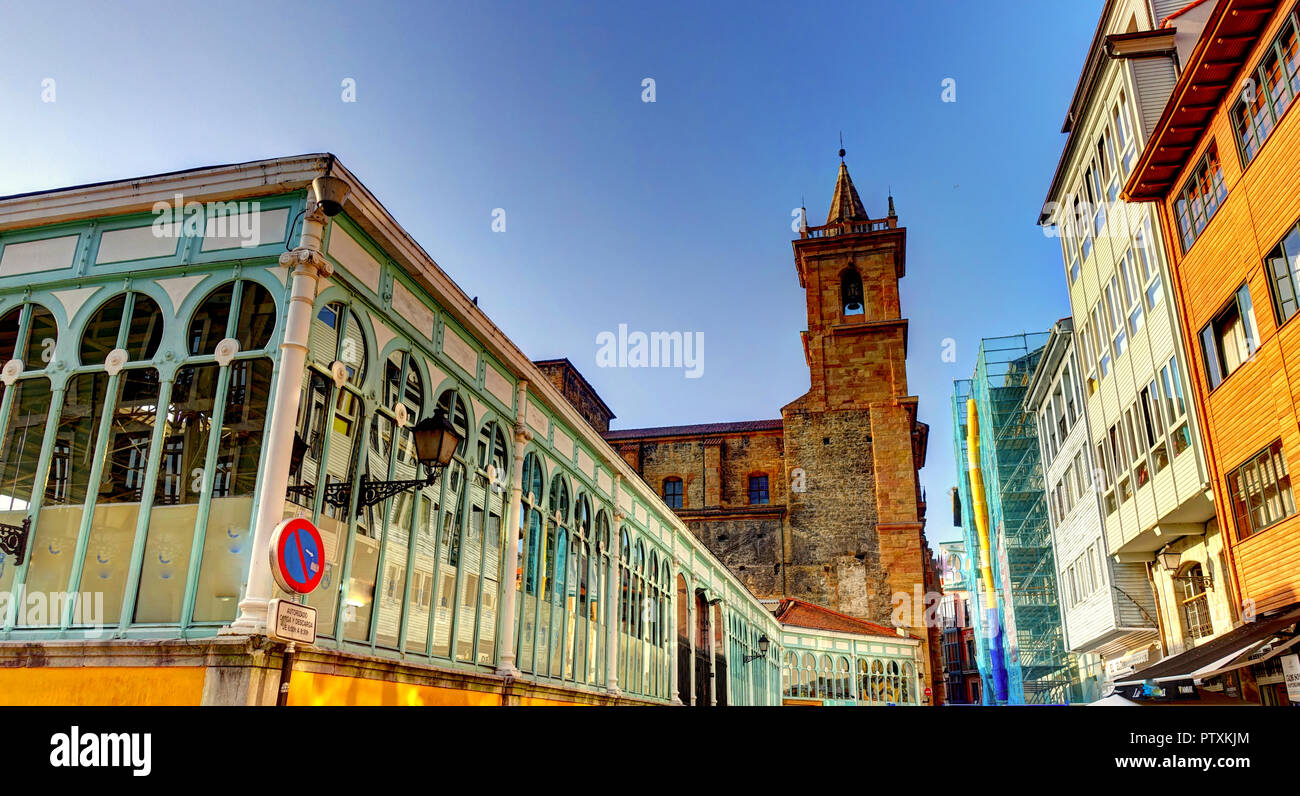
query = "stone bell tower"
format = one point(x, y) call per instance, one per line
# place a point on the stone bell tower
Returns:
point(855, 533)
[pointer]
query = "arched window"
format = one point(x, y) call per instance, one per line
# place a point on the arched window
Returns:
point(824, 678)
point(336, 336)
point(487, 511)
point(600, 610)
point(577, 615)
point(626, 609)
point(673, 492)
point(530, 567)
point(909, 684)
point(864, 681)
point(892, 685)
point(253, 327)
point(99, 459)
point(851, 292)
point(197, 407)
point(808, 676)
point(450, 636)
point(384, 531)
point(877, 682)
point(553, 570)
point(842, 685)
point(28, 333)
point(137, 328)
point(1194, 604)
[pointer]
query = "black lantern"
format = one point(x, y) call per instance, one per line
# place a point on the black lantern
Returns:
point(763, 646)
point(436, 441)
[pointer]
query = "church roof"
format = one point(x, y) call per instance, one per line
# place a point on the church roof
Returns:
point(845, 204)
point(697, 429)
point(796, 612)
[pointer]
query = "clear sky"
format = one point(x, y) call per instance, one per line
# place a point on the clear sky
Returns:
point(673, 215)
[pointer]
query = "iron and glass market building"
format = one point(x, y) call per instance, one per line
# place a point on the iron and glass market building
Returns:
point(193, 357)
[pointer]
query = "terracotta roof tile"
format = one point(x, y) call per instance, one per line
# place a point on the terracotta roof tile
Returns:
point(796, 612)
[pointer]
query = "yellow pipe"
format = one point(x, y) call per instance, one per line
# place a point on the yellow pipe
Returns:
point(979, 507)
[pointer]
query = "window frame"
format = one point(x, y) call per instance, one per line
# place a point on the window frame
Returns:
point(1212, 359)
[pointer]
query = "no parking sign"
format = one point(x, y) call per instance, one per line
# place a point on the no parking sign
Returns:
point(297, 555)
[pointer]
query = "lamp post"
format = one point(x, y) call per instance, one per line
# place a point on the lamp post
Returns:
point(306, 264)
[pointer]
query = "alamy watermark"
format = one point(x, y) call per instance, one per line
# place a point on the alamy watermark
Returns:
point(637, 349)
point(47, 609)
point(240, 220)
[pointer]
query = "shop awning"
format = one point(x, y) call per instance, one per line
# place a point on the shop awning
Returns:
point(1240, 647)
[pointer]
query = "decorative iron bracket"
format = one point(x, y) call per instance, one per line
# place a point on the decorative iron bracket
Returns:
point(13, 539)
point(1202, 582)
point(339, 494)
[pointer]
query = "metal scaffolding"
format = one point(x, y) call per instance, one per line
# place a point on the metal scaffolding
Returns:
point(1039, 669)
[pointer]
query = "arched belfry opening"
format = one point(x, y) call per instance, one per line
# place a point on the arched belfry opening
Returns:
point(851, 292)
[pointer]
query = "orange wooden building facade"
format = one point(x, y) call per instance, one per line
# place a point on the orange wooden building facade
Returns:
point(1223, 163)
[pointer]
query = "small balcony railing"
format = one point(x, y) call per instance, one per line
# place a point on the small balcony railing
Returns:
point(848, 228)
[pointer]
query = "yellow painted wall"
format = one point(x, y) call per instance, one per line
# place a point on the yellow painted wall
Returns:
point(116, 685)
point(535, 701)
point(309, 688)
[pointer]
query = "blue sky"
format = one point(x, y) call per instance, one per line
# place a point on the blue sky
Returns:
point(672, 215)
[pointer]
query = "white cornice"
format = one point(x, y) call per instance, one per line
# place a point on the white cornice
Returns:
point(123, 197)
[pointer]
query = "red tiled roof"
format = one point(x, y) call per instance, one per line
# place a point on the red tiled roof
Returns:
point(698, 429)
point(793, 611)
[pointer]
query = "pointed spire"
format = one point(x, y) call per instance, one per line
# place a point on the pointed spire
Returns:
point(892, 212)
point(845, 204)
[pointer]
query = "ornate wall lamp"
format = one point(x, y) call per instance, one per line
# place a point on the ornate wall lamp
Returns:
point(436, 440)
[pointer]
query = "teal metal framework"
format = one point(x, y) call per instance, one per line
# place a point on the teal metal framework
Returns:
point(1039, 669)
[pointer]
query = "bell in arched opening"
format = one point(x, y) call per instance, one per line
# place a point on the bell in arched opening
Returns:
point(851, 292)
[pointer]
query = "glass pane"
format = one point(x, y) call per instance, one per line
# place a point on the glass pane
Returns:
point(58, 525)
point(188, 424)
point(257, 317)
point(117, 506)
point(365, 542)
point(417, 626)
point(208, 326)
point(42, 335)
point(9, 334)
point(228, 541)
point(19, 452)
point(146, 329)
point(100, 334)
point(449, 558)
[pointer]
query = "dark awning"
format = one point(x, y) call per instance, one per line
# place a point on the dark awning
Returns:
point(1231, 650)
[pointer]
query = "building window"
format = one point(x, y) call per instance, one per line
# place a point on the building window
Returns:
point(1148, 269)
point(1270, 92)
point(1283, 264)
point(1230, 339)
point(1194, 606)
point(758, 489)
point(1131, 291)
point(673, 492)
point(1200, 197)
point(1124, 135)
point(1260, 491)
